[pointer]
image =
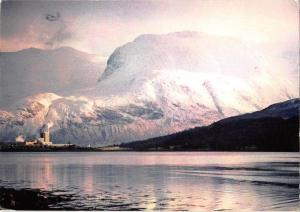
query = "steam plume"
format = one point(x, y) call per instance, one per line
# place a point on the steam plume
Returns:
point(20, 138)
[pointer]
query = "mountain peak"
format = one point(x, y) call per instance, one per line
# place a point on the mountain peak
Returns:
point(30, 50)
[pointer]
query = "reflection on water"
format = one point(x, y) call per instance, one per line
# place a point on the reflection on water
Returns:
point(159, 180)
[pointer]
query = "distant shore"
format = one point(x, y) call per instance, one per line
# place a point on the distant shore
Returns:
point(120, 149)
point(15, 147)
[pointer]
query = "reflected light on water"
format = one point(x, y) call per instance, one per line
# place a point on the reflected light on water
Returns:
point(88, 183)
point(160, 181)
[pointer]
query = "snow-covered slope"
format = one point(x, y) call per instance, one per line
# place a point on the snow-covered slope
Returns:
point(156, 85)
point(222, 72)
point(31, 71)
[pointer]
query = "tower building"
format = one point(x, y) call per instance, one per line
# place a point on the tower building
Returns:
point(46, 136)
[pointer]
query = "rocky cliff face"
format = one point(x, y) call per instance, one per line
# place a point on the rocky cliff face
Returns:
point(156, 85)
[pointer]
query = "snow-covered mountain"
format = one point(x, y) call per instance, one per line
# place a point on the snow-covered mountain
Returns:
point(32, 71)
point(156, 85)
point(275, 128)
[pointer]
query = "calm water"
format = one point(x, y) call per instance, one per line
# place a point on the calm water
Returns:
point(160, 180)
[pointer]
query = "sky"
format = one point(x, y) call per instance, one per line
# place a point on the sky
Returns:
point(99, 27)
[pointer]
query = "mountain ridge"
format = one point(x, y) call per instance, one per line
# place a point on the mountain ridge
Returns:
point(31, 71)
point(264, 130)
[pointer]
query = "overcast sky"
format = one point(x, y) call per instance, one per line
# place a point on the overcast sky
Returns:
point(101, 26)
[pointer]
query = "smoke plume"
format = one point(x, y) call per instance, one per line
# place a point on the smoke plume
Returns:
point(46, 127)
point(20, 138)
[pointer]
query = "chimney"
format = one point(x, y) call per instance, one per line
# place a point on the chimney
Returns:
point(45, 132)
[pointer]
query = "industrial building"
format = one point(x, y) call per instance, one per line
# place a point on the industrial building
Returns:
point(44, 140)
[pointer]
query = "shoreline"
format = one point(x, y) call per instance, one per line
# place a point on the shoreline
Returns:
point(30, 199)
point(241, 151)
point(13, 147)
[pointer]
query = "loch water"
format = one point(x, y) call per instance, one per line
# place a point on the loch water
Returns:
point(204, 181)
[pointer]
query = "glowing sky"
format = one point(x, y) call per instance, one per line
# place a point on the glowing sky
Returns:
point(101, 26)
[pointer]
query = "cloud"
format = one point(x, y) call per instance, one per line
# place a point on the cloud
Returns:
point(46, 27)
point(101, 26)
point(59, 35)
